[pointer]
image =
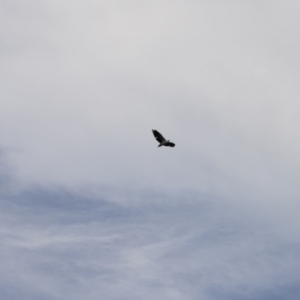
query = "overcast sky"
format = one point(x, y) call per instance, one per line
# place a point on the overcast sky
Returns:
point(91, 208)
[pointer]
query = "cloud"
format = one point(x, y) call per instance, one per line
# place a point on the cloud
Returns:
point(91, 79)
point(58, 245)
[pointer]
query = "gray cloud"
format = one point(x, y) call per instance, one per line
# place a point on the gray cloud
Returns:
point(58, 245)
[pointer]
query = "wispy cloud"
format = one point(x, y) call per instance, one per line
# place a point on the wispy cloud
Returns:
point(78, 246)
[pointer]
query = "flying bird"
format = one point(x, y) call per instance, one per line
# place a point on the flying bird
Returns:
point(162, 141)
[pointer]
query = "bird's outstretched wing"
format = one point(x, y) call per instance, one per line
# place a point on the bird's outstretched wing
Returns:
point(158, 136)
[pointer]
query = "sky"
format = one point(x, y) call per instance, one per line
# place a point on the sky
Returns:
point(91, 208)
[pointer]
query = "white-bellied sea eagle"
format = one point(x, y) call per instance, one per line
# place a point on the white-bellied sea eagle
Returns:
point(162, 141)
